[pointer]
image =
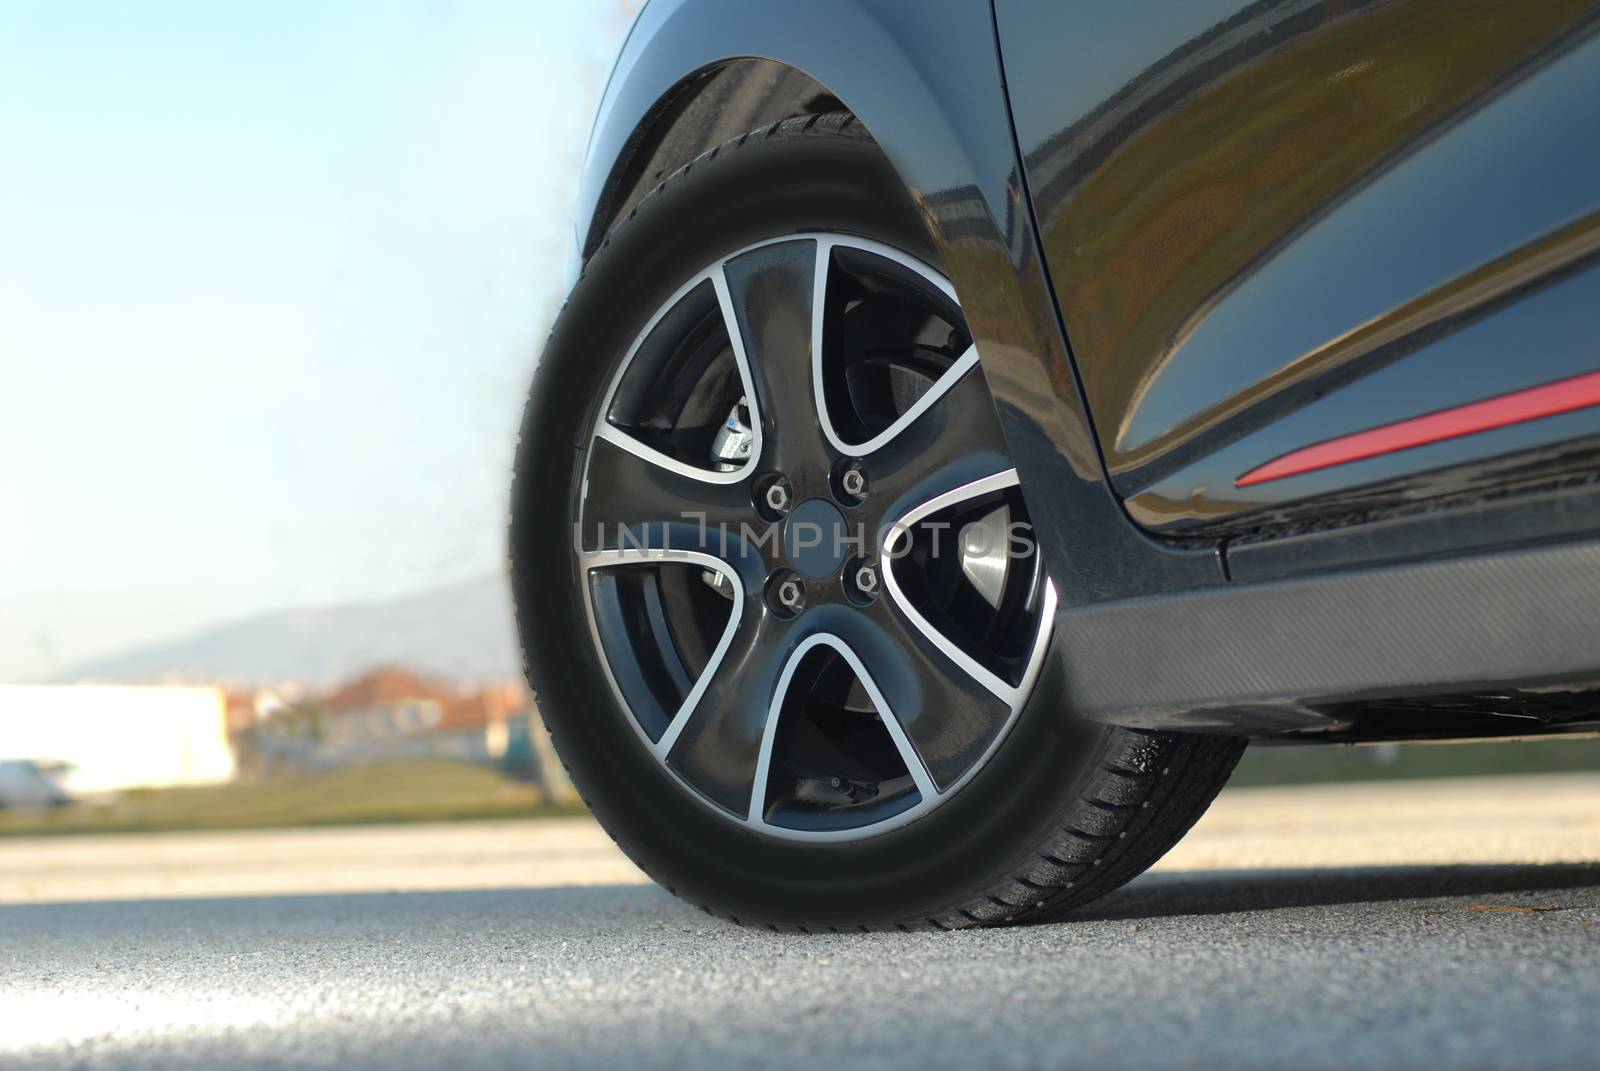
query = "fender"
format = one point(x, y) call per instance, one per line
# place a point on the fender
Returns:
point(933, 95)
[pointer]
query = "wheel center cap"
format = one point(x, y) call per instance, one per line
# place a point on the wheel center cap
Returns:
point(816, 538)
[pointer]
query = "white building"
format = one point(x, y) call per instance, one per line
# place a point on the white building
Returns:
point(120, 737)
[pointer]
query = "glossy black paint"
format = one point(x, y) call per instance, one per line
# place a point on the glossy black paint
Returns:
point(1543, 336)
point(1249, 208)
point(931, 91)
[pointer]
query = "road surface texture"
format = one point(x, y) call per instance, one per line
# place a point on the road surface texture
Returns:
point(1428, 925)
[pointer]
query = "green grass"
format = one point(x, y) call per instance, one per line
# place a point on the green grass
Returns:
point(420, 791)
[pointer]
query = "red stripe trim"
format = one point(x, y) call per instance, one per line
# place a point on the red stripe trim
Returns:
point(1551, 399)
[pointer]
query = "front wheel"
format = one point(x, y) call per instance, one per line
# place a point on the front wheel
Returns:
point(775, 579)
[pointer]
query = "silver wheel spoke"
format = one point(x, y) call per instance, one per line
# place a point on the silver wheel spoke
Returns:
point(766, 296)
point(714, 741)
point(730, 322)
point(1012, 695)
point(967, 361)
point(636, 496)
point(908, 753)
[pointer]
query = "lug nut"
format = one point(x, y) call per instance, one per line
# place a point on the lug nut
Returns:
point(791, 596)
point(853, 481)
point(777, 496)
point(859, 578)
point(866, 579)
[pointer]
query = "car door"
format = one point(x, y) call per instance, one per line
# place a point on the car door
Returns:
point(1318, 258)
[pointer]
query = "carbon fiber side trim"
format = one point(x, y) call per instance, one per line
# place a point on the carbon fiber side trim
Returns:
point(1251, 659)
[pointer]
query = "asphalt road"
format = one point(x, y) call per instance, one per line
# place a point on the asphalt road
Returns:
point(1427, 925)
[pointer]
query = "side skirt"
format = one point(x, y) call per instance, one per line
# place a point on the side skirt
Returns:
point(1281, 656)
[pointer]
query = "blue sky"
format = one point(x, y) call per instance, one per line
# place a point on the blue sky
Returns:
point(272, 280)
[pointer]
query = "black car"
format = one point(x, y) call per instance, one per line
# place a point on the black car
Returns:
point(974, 422)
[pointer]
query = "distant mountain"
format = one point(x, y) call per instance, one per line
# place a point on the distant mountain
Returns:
point(463, 632)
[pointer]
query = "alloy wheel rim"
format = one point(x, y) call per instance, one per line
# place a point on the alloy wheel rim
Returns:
point(868, 700)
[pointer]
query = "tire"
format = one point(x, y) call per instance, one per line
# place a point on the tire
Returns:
point(1058, 813)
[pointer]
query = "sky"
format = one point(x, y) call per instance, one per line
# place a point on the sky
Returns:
point(273, 277)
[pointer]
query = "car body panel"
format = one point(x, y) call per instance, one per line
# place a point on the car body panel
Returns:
point(1248, 209)
point(1542, 337)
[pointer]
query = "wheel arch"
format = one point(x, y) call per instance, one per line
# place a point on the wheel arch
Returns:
point(695, 73)
point(698, 112)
